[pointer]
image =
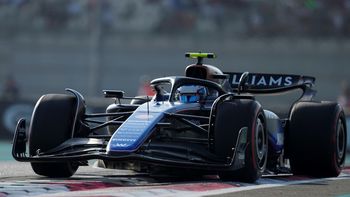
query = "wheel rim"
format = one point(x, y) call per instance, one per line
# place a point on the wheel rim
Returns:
point(340, 140)
point(260, 143)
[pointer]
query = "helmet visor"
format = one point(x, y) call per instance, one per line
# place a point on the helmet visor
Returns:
point(189, 98)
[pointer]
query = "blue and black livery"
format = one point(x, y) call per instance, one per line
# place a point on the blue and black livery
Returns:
point(207, 121)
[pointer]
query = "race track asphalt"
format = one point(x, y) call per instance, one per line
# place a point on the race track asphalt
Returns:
point(17, 179)
point(335, 188)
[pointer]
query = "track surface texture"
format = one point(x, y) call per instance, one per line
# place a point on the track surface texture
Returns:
point(17, 179)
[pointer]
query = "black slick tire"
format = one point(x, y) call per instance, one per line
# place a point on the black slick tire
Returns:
point(51, 124)
point(230, 118)
point(316, 139)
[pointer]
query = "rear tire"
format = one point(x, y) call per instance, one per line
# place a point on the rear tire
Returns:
point(51, 125)
point(230, 118)
point(316, 140)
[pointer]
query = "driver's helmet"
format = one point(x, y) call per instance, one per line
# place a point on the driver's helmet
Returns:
point(191, 93)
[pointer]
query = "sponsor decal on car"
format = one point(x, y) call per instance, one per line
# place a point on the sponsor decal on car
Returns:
point(264, 80)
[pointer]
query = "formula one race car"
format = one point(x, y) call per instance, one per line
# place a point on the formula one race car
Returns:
point(206, 122)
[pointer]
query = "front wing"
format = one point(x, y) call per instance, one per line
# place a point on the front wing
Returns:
point(177, 155)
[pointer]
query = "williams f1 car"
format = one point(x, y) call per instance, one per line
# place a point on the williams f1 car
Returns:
point(206, 122)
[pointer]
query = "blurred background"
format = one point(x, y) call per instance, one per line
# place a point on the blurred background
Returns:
point(91, 45)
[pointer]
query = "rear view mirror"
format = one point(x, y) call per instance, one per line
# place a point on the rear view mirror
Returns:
point(113, 94)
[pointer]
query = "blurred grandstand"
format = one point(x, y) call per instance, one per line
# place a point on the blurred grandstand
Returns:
point(236, 18)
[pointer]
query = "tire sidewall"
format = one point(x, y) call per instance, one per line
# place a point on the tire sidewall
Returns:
point(252, 164)
point(337, 166)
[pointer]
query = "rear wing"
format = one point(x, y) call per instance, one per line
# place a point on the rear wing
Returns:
point(270, 83)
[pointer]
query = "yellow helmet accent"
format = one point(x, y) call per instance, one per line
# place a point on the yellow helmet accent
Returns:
point(200, 55)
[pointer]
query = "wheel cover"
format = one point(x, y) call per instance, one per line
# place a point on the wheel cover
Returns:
point(340, 141)
point(260, 144)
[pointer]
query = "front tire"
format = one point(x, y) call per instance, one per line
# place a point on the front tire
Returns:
point(230, 118)
point(51, 124)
